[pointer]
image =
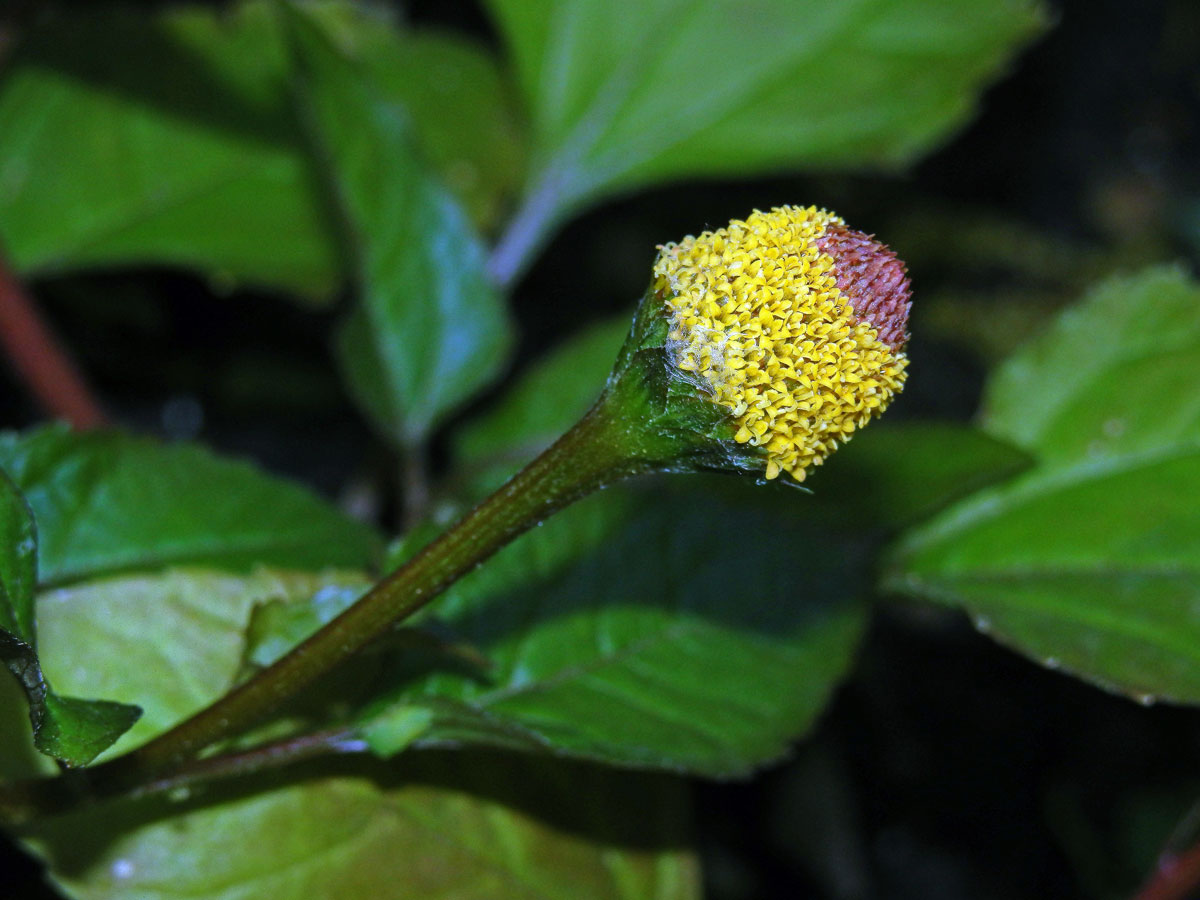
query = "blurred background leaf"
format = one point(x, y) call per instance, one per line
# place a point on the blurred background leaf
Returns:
point(1089, 562)
point(432, 330)
point(676, 88)
point(172, 140)
point(904, 472)
point(171, 641)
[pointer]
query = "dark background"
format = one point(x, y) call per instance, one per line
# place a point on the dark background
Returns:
point(947, 767)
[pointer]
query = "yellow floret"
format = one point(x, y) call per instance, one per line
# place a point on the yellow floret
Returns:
point(758, 319)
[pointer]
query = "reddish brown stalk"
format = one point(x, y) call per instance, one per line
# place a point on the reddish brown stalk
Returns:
point(40, 360)
point(1177, 877)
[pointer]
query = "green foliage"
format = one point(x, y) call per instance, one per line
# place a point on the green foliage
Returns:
point(433, 330)
point(698, 626)
point(66, 728)
point(110, 503)
point(172, 641)
point(899, 474)
point(1090, 561)
point(547, 400)
point(478, 825)
point(106, 502)
point(674, 643)
point(467, 826)
point(172, 140)
point(670, 89)
point(18, 562)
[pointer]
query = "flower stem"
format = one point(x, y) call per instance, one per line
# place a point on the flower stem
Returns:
point(23, 801)
point(255, 759)
point(595, 452)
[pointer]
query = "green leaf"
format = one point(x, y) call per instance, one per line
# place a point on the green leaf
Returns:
point(879, 481)
point(396, 727)
point(1090, 561)
point(674, 88)
point(686, 641)
point(182, 114)
point(281, 623)
point(461, 826)
point(188, 116)
point(461, 107)
point(434, 330)
point(1110, 379)
point(69, 729)
point(76, 731)
point(172, 642)
point(107, 502)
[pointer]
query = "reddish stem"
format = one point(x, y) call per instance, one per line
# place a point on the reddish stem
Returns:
point(1176, 878)
point(41, 361)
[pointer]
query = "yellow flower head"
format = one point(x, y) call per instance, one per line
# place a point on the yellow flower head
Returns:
point(794, 323)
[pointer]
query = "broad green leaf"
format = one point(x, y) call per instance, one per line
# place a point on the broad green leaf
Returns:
point(1111, 379)
point(674, 88)
point(460, 826)
point(69, 729)
point(396, 727)
point(187, 115)
point(433, 330)
point(461, 108)
point(171, 641)
point(1090, 561)
point(704, 636)
point(129, 139)
point(550, 397)
point(107, 502)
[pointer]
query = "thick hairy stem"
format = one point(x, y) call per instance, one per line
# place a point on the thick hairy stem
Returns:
point(590, 455)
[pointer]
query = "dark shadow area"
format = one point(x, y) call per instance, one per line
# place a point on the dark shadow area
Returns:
point(96, 46)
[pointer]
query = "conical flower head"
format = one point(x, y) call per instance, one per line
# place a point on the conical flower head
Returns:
point(793, 323)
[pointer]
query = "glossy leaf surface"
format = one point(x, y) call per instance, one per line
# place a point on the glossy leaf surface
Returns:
point(1090, 561)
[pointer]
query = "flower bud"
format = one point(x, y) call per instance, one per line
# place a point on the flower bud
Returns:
point(790, 323)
